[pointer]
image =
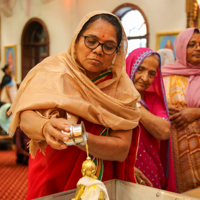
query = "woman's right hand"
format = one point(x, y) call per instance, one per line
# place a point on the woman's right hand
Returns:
point(173, 109)
point(53, 135)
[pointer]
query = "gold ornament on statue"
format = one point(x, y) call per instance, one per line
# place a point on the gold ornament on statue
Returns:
point(88, 187)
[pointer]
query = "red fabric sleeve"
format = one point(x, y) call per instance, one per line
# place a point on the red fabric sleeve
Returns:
point(155, 104)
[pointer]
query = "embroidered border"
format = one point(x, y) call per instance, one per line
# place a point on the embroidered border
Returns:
point(139, 61)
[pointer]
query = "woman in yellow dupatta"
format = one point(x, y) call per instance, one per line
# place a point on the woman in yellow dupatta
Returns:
point(182, 86)
point(88, 83)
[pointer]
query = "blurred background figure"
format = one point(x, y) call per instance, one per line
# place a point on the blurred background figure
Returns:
point(8, 85)
point(19, 142)
point(166, 56)
point(4, 119)
point(6, 142)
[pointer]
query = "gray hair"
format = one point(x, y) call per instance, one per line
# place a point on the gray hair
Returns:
point(156, 56)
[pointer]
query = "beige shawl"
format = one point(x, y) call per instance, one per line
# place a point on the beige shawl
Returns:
point(58, 83)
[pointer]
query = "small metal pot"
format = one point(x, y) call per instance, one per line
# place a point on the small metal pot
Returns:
point(77, 135)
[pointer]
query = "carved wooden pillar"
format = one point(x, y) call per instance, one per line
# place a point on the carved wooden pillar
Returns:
point(192, 13)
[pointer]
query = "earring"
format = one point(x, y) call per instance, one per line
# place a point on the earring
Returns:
point(113, 61)
point(75, 57)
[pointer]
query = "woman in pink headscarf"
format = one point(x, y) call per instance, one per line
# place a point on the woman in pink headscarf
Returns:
point(154, 159)
point(182, 85)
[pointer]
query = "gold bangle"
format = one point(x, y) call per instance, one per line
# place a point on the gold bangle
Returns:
point(43, 128)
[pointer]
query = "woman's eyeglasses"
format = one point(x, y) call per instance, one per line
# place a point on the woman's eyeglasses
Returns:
point(93, 43)
point(193, 45)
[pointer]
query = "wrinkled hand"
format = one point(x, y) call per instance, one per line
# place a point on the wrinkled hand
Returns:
point(141, 178)
point(183, 117)
point(53, 135)
point(174, 109)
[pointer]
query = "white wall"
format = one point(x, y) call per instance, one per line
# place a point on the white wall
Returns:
point(62, 16)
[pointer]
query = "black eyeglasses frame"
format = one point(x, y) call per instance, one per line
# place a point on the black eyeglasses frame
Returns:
point(85, 36)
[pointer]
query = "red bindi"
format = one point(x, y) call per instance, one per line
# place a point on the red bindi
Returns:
point(103, 35)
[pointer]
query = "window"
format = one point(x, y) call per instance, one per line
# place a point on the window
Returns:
point(135, 25)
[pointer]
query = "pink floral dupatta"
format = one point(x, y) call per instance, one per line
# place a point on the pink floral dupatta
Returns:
point(164, 156)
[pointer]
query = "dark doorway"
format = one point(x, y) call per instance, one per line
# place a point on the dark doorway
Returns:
point(35, 44)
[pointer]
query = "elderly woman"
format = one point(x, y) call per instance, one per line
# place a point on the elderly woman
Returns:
point(88, 83)
point(181, 81)
point(154, 160)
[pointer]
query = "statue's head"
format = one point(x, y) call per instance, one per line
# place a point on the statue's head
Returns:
point(88, 168)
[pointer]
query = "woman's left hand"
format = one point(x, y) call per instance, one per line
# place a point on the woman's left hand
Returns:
point(141, 178)
point(184, 117)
